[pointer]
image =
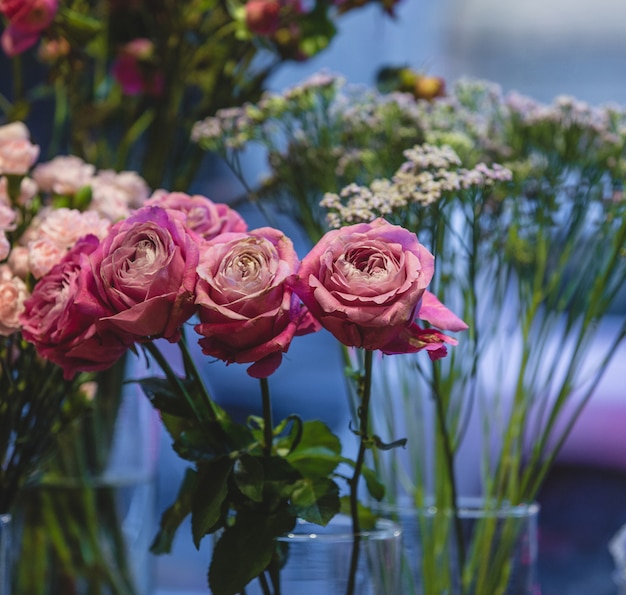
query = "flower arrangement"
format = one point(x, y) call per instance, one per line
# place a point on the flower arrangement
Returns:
point(46, 207)
point(181, 259)
point(116, 78)
point(521, 205)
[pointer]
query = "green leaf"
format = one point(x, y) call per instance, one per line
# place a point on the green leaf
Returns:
point(316, 501)
point(279, 480)
point(175, 515)
point(160, 393)
point(209, 497)
point(319, 451)
point(374, 486)
point(245, 549)
point(202, 442)
point(249, 475)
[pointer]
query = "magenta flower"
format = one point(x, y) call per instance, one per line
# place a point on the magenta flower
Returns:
point(130, 69)
point(366, 284)
point(26, 20)
point(60, 318)
point(145, 271)
point(247, 312)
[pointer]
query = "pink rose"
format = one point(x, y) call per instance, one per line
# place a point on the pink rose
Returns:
point(60, 316)
point(65, 174)
point(27, 19)
point(13, 292)
point(366, 283)
point(146, 273)
point(17, 156)
point(204, 217)
point(247, 312)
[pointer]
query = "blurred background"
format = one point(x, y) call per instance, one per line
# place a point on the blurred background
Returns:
point(541, 48)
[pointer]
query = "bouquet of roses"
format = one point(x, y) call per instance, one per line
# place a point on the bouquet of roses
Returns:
point(39, 223)
point(181, 259)
point(521, 204)
point(116, 78)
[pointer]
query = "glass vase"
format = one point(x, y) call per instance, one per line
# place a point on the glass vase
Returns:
point(481, 549)
point(5, 553)
point(318, 559)
point(87, 523)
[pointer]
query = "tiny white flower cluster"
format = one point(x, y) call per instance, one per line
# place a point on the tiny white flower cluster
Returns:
point(429, 173)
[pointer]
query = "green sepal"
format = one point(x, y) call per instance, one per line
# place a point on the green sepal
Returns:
point(316, 501)
point(208, 502)
point(172, 518)
point(245, 549)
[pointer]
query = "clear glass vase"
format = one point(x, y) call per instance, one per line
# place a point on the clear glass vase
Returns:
point(318, 559)
point(6, 560)
point(90, 517)
point(480, 549)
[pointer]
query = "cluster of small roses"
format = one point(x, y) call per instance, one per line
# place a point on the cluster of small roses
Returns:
point(429, 174)
point(156, 269)
point(35, 230)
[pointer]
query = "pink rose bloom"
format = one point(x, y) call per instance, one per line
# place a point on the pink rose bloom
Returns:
point(17, 156)
point(13, 292)
point(132, 76)
point(27, 19)
point(203, 216)
point(116, 195)
point(14, 131)
point(263, 16)
point(28, 190)
point(65, 174)
point(60, 316)
point(146, 273)
point(56, 231)
point(247, 312)
point(19, 262)
point(366, 284)
point(43, 254)
point(7, 223)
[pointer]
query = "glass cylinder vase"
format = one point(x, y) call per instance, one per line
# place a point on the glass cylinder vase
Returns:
point(89, 518)
point(6, 559)
point(478, 549)
point(318, 559)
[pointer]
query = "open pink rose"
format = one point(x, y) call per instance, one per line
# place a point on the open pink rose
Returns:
point(247, 312)
point(145, 271)
point(366, 283)
point(60, 316)
point(205, 217)
point(26, 20)
point(17, 156)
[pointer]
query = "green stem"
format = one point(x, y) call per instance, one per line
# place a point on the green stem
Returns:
point(363, 413)
point(268, 423)
point(449, 462)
